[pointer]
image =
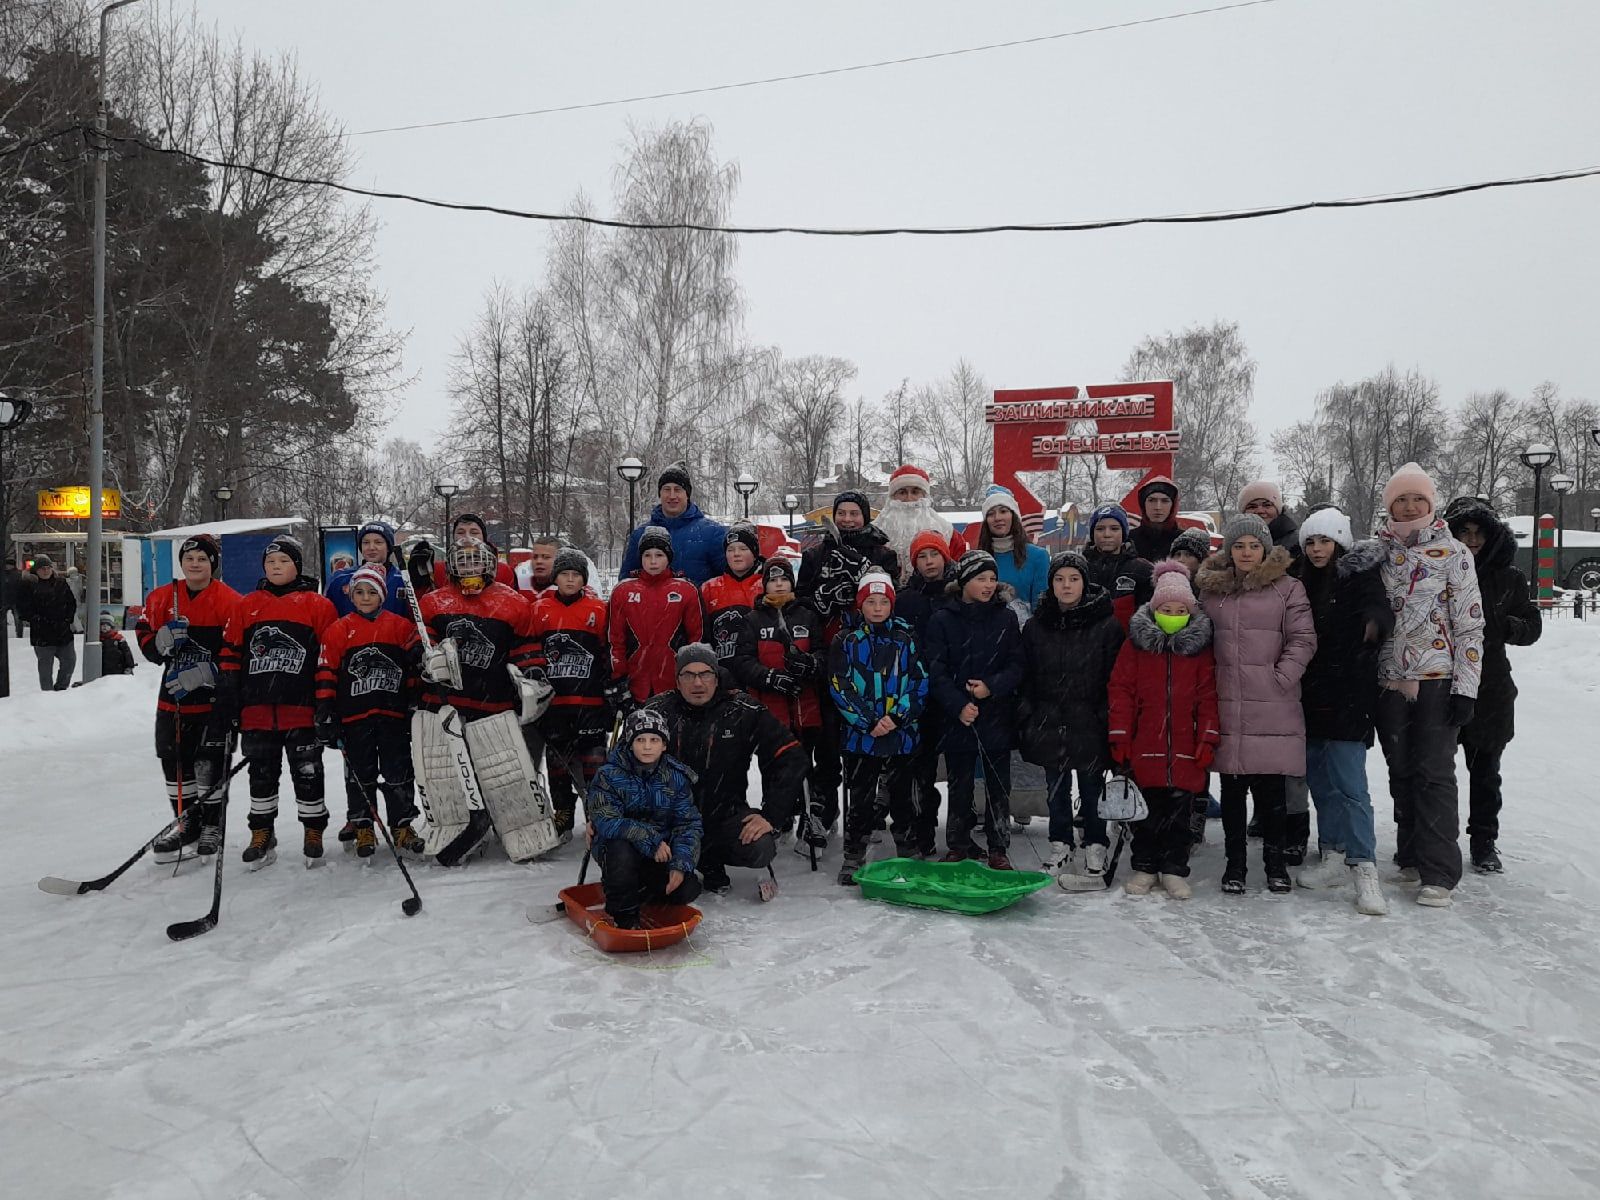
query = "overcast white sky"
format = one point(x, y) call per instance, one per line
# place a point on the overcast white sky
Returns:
point(1288, 101)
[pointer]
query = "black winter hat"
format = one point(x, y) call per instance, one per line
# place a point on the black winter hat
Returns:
point(462, 519)
point(570, 559)
point(207, 545)
point(655, 537)
point(746, 533)
point(1068, 558)
point(1468, 508)
point(855, 498)
point(675, 475)
point(642, 721)
point(284, 543)
point(974, 563)
point(1194, 541)
point(777, 566)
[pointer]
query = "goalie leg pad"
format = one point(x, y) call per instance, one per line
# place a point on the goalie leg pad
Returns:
point(447, 787)
point(516, 790)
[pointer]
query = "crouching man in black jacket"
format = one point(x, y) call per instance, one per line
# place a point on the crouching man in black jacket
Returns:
point(715, 731)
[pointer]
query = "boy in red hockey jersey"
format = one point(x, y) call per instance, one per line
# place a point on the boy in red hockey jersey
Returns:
point(572, 627)
point(269, 687)
point(181, 630)
point(729, 597)
point(653, 613)
point(366, 688)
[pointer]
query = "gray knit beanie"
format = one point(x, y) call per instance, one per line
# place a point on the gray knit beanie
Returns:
point(1245, 525)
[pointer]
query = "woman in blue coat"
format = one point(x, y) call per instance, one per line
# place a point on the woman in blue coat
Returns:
point(1024, 567)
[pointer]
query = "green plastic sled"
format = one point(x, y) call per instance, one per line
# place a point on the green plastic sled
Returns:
point(963, 887)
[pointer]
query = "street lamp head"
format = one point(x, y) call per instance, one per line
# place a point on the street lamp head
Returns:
point(222, 493)
point(1562, 484)
point(791, 502)
point(1595, 513)
point(746, 484)
point(13, 412)
point(1537, 455)
point(446, 490)
point(630, 469)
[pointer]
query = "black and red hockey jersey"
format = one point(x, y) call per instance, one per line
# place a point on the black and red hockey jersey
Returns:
point(490, 629)
point(577, 656)
point(369, 666)
point(728, 600)
point(269, 654)
point(778, 637)
point(207, 612)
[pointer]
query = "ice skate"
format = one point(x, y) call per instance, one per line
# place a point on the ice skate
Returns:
point(262, 850)
point(366, 842)
point(185, 832)
point(311, 847)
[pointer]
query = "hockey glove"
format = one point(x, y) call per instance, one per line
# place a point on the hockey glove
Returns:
point(172, 635)
point(620, 697)
point(782, 683)
point(1460, 711)
point(533, 693)
point(196, 677)
point(327, 725)
point(800, 664)
point(442, 664)
point(420, 567)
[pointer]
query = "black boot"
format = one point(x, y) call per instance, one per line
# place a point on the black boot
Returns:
point(1485, 858)
point(1233, 875)
point(1296, 833)
point(1277, 870)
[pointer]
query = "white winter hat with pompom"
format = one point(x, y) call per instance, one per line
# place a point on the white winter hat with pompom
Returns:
point(1329, 523)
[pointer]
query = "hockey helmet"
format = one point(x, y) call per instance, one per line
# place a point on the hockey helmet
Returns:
point(471, 565)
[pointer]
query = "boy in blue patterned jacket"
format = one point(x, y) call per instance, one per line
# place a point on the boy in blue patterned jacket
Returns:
point(880, 686)
point(646, 828)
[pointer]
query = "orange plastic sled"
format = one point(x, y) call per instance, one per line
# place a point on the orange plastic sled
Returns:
point(662, 924)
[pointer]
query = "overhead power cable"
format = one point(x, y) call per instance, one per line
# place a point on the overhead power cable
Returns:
point(1199, 218)
point(819, 74)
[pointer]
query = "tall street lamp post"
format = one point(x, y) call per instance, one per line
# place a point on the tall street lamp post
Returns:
point(1562, 486)
point(791, 503)
point(746, 486)
point(445, 491)
point(12, 413)
point(222, 493)
point(630, 469)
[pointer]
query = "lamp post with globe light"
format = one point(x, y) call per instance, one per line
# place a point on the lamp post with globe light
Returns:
point(1562, 485)
point(222, 493)
point(445, 491)
point(630, 469)
point(791, 504)
point(746, 486)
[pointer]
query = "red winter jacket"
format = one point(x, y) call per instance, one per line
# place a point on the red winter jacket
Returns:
point(1163, 698)
point(651, 617)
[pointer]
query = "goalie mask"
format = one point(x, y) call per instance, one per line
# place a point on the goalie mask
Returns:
point(471, 565)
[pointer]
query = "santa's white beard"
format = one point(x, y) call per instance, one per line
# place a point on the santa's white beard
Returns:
point(902, 520)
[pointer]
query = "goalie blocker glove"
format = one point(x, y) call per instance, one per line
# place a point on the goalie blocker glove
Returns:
point(442, 664)
point(533, 693)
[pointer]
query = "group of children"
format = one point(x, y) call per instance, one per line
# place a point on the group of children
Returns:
point(1270, 668)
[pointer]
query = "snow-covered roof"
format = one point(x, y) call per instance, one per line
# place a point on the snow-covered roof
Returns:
point(1522, 527)
point(223, 528)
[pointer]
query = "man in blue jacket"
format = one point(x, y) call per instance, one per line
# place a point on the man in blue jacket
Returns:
point(375, 542)
point(696, 539)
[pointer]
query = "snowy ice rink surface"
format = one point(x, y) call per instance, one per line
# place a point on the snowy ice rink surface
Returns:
point(319, 1044)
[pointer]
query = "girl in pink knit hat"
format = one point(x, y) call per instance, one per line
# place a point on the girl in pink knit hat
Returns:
point(1428, 675)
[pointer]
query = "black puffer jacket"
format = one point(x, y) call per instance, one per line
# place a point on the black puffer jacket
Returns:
point(1339, 692)
point(976, 641)
point(1285, 531)
point(1068, 656)
point(49, 607)
point(1510, 618)
point(915, 603)
point(830, 570)
point(1129, 579)
point(717, 740)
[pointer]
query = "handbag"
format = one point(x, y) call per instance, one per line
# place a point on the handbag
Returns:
point(1122, 800)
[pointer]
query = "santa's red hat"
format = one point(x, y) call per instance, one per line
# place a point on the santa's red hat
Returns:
point(906, 473)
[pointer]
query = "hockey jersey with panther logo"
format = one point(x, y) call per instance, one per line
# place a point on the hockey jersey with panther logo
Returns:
point(207, 612)
point(577, 656)
point(368, 666)
point(490, 629)
point(728, 601)
point(651, 617)
point(269, 654)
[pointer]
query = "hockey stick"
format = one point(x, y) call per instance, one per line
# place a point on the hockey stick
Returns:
point(183, 930)
point(412, 904)
point(57, 886)
point(177, 739)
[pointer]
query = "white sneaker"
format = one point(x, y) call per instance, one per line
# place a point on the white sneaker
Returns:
point(1094, 860)
point(1433, 896)
point(1021, 822)
point(1139, 883)
point(1327, 872)
point(1407, 875)
point(1177, 886)
point(1369, 896)
point(1060, 855)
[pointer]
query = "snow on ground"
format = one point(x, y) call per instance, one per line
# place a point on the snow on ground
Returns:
point(318, 1043)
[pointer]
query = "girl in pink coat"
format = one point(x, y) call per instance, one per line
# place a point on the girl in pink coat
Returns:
point(1264, 638)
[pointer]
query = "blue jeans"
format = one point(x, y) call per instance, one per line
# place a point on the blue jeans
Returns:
point(1337, 775)
point(1058, 793)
